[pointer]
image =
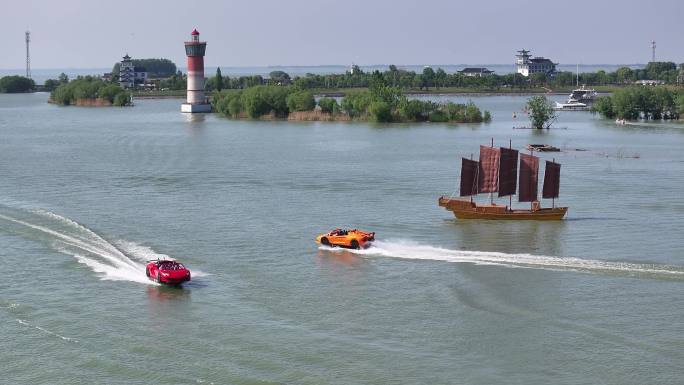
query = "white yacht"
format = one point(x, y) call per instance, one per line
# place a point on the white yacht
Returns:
point(579, 100)
point(571, 105)
point(582, 95)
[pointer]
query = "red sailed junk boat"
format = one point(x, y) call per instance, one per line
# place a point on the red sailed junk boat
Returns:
point(497, 171)
point(167, 271)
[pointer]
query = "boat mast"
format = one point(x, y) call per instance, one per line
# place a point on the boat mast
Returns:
point(510, 197)
point(531, 154)
point(491, 194)
point(553, 199)
point(577, 75)
point(476, 177)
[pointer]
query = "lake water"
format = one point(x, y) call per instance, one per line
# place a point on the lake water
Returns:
point(89, 194)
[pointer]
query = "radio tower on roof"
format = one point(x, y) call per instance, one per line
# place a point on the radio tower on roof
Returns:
point(28, 56)
point(653, 47)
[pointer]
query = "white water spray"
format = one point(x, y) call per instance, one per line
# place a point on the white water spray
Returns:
point(406, 249)
point(106, 259)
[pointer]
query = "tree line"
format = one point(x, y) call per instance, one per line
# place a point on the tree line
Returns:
point(430, 78)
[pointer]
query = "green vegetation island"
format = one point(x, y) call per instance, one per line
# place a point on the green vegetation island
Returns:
point(380, 102)
point(632, 103)
point(89, 91)
point(16, 84)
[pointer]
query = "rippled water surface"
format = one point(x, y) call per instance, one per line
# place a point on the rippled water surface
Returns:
point(87, 195)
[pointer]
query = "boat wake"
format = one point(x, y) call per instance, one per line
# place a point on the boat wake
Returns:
point(42, 329)
point(406, 249)
point(122, 261)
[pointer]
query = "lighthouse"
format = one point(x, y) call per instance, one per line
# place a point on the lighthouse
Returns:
point(194, 50)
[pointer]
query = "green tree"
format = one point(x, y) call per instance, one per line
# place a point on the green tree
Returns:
point(16, 84)
point(655, 68)
point(624, 75)
point(219, 79)
point(63, 78)
point(604, 106)
point(109, 92)
point(473, 114)
point(428, 77)
point(356, 103)
point(301, 101)
point(261, 100)
point(541, 112)
point(538, 78)
point(679, 105)
point(51, 84)
point(328, 105)
point(440, 78)
point(235, 106)
point(412, 110)
point(380, 111)
point(122, 99)
point(279, 77)
point(486, 117)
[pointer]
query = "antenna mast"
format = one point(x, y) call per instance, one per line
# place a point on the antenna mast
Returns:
point(653, 47)
point(28, 56)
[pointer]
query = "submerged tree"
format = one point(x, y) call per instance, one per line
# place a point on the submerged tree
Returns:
point(541, 112)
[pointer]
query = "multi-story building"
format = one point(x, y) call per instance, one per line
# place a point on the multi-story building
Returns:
point(130, 75)
point(529, 65)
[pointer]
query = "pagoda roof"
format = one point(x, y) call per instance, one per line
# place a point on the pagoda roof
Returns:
point(475, 70)
point(541, 60)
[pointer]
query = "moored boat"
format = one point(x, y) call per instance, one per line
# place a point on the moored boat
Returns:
point(497, 171)
point(542, 148)
point(571, 106)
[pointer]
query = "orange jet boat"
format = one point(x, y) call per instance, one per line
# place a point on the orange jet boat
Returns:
point(350, 239)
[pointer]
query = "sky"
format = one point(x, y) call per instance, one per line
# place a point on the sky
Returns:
point(95, 34)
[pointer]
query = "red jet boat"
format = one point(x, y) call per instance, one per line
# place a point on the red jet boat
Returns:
point(167, 271)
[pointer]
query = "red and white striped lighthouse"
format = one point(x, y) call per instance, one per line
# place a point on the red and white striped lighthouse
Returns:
point(194, 50)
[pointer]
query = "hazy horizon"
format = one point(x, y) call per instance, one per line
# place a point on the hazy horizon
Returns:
point(265, 33)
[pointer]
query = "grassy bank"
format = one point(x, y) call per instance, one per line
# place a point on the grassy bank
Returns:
point(161, 94)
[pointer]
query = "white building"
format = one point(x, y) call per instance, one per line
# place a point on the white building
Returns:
point(476, 72)
point(650, 82)
point(529, 65)
point(130, 75)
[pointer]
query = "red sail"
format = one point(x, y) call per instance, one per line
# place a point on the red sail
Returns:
point(529, 169)
point(508, 172)
point(468, 177)
point(551, 180)
point(489, 169)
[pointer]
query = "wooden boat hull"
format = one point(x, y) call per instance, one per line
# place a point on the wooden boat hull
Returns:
point(465, 209)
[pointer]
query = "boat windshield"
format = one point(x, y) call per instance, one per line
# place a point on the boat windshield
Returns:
point(171, 266)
